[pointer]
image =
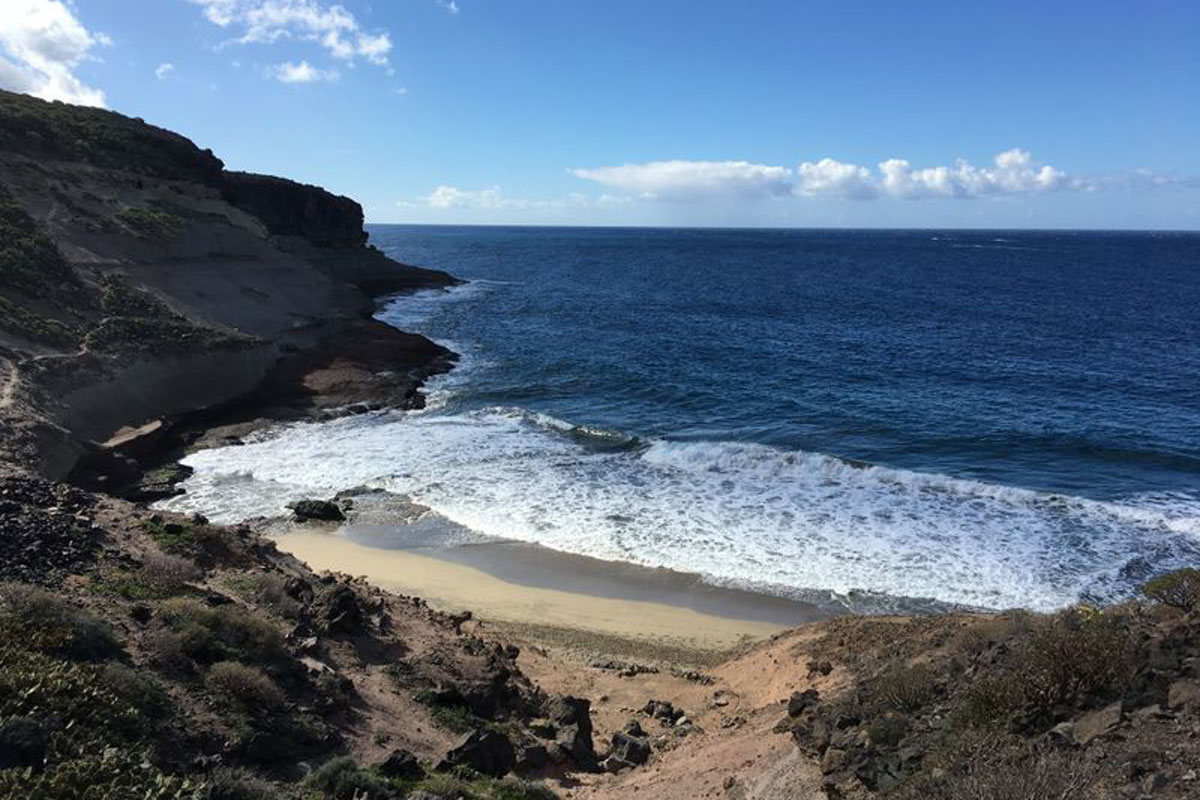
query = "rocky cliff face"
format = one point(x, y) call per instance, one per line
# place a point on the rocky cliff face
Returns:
point(288, 208)
point(139, 279)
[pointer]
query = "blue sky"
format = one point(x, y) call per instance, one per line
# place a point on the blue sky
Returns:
point(918, 114)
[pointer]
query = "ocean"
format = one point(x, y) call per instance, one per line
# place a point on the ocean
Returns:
point(988, 419)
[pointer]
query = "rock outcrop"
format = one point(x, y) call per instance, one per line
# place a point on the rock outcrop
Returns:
point(141, 281)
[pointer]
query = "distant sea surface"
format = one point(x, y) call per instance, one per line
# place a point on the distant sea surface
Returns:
point(991, 419)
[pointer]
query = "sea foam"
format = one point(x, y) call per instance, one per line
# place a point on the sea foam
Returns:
point(748, 515)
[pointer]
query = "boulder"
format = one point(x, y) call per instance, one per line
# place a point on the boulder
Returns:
point(630, 748)
point(484, 751)
point(324, 510)
point(800, 702)
point(1097, 723)
point(571, 719)
point(1183, 693)
point(337, 610)
point(833, 760)
point(23, 743)
point(662, 710)
point(400, 764)
point(532, 756)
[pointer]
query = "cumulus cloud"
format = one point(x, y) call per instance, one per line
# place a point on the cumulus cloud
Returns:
point(693, 180)
point(42, 42)
point(835, 179)
point(287, 72)
point(449, 5)
point(444, 197)
point(332, 27)
point(164, 69)
point(1013, 172)
point(493, 199)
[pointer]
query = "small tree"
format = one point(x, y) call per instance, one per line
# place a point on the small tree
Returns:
point(1179, 589)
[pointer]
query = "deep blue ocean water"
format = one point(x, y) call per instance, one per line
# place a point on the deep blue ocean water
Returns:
point(987, 418)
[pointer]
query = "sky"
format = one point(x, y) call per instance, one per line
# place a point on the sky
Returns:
point(802, 113)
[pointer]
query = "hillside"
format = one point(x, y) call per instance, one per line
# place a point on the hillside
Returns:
point(140, 280)
point(151, 300)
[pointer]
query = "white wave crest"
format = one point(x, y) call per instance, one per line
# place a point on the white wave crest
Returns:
point(741, 514)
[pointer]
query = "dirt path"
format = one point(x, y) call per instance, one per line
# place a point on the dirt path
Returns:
point(730, 748)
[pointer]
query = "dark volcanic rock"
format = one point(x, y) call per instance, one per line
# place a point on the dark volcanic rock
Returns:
point(323, 510)
point(400, 764)
point(662, 710)
point(631, 748)
point(288, 208)
point(572, 721)
point(800, 702)
point(484, 751)
point(23, 743)
point(46, 531)
point(337, 610)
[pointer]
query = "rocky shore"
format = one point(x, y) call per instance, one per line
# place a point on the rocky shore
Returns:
point(151, 301)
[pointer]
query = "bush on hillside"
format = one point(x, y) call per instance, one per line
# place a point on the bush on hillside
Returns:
point(1179, 589)
point(42, 621)
point(224, 633)
point(243, 687)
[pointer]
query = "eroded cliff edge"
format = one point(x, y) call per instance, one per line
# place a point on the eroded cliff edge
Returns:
point(140, 280)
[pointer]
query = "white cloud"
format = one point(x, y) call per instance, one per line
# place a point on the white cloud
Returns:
point(835, 179)
point(42, 42)
point(444, 197)
point(1013, 172)
point(493, 199)
point(449, 5)
point(693, 180)
point(332, 27)
point(164, 69)
point(287, 72)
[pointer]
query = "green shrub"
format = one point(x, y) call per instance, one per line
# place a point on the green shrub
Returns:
point(1071, 659)
point(150, 223)
point(238, 784)
point(887, 731)
point(1076, 655)
point(244, 687)
point(1008, 774)
point(166, 574)
point(20, 321)
point(45, 622)
point(119, 299)
point(109, 773)
point(138, 689)
point(342, 779)
point(904, 687)
point(29, 262)
point(472, 786)
point(225, 633)
point(989, 701)
point(1179, 589)
point(160, 335)
point(268, 589)
point(451, 714)
point(41, 686)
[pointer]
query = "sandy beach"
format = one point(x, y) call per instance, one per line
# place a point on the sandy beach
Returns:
point(541, 589)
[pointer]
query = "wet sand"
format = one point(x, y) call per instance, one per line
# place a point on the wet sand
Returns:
point(512, 582)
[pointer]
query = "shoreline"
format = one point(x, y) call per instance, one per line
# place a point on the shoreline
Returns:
point(586, 603)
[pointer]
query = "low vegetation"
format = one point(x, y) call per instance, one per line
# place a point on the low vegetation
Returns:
point(57, 131)
point(1004, 706)
point(150, 223)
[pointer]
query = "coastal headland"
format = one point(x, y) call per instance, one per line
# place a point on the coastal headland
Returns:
point(152, 302)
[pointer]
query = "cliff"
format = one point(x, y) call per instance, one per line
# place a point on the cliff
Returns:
point(141, 281)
